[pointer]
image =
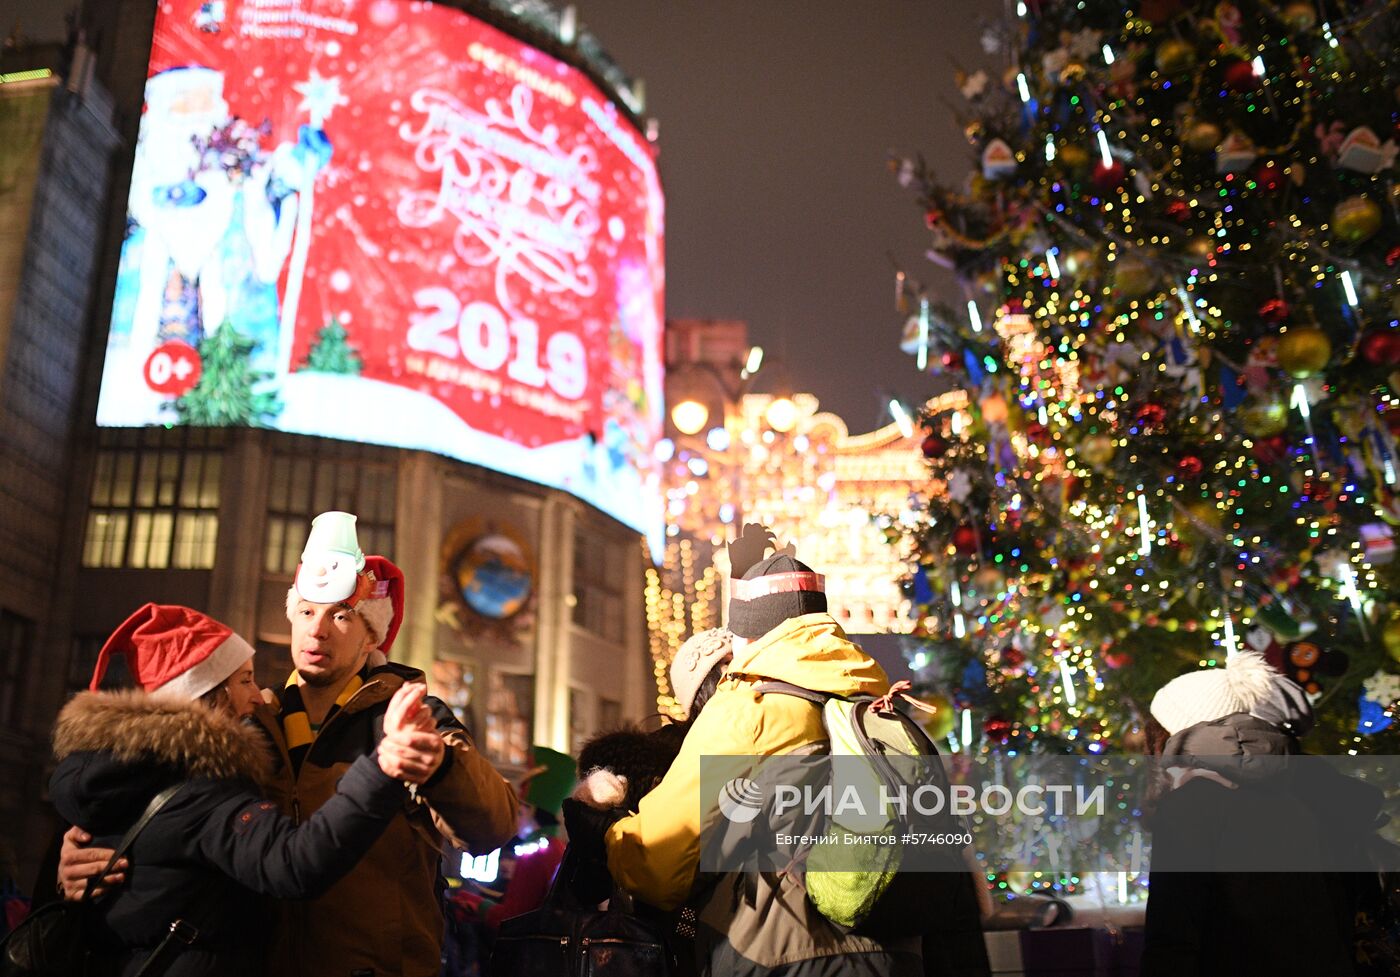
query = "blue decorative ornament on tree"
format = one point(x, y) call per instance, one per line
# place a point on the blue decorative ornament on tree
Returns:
point(1373, 718)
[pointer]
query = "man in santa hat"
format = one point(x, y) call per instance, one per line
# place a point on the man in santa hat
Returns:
point(345, 609)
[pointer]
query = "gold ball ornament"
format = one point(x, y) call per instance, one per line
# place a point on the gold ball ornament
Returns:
point(1074, 156)
point(1078, 261)
point(1132, 277)
point(1073, 73)
point(1175, 57)
point(1355, 219)
point(989, 581)
point(1200, 247)
point(1300, 16)
point(1304, 352)
point(1204, 513)
point(1097, 449)
point(943, 719)
point(993, 408)
point(1264, 417)
point(1203, 136)
point(1390, 635)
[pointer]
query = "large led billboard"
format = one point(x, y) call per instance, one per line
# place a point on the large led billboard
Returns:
point(387, 221)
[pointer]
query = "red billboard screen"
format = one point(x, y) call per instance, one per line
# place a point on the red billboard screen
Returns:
point(387, 221)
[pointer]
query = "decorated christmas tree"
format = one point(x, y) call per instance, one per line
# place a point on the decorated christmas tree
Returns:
point(332, 352)
point(230, 392)
point(1178, 254)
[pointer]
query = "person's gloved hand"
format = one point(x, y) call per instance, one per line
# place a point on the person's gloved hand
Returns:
point(587, 826)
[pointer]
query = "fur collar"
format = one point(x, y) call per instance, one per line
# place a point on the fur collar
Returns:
point(133, 725)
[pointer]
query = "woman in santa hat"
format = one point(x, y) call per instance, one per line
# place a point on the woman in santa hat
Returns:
point(216, 846)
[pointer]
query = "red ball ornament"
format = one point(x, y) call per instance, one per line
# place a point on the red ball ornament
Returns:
point(1038, 432)
point(934, 447)
point(1117, 659)
point(997, 728)
point(1392, 257)
point(932, 216)
point(1275, 312)
point(1380, 347)
point(1269, 176)
point(1272, 449)
point(1013, 657)
point(1179, 211)
point(1109, 177)
point(965, 539)
point(1150, 416)
point(1239, 77)
point(949, 361)
point(1190, 466)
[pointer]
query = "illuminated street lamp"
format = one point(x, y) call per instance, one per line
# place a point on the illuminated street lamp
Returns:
point(689, 416)
point(782, 415)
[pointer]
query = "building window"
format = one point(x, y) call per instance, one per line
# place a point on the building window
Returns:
point(272, 664)
point(301, 487)
point(155, 507)
point(16, 652)
point(578, 720)
point(510, 711)
point(609, 715)
point(82, 659)
point(454, 682)
point(599, 568)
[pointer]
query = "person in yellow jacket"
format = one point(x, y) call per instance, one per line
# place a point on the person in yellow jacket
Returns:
point(752, 924)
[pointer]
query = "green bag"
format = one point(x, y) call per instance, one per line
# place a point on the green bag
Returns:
point(873, 896)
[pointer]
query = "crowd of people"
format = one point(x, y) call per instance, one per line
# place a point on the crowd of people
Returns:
point(306, 831)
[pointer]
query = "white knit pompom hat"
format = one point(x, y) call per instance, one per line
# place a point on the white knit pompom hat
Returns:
point(1213, 693)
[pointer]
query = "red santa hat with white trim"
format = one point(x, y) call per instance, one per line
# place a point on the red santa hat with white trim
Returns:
point(334, 570)
point(173, 650)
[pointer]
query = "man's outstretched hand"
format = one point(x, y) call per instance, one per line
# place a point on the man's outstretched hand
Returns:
point(77, 864)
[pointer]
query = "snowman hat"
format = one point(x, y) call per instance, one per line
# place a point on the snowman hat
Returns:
point(334, 570)
point(175, 651)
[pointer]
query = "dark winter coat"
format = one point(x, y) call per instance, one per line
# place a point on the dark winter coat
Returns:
point(385, 917)
point(213, 853)
point(1202, 924)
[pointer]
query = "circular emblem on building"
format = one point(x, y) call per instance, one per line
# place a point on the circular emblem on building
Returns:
point(493, 577)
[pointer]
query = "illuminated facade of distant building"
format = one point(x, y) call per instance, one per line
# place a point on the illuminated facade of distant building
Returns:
point(780, 461)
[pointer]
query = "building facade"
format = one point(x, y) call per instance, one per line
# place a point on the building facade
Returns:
point(55, 152)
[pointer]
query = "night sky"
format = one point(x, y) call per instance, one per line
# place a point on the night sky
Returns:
point(776, 118)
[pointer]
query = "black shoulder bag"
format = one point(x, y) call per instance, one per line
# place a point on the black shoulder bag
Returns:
point(564, 939)
point(52, 941)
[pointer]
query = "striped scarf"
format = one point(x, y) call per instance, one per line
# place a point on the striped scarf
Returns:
point(296, 724)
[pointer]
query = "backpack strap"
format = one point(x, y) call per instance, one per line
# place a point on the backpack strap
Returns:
point(819, 699)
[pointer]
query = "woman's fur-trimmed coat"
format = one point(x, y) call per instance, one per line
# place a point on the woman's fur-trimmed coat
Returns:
point(218, 846)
